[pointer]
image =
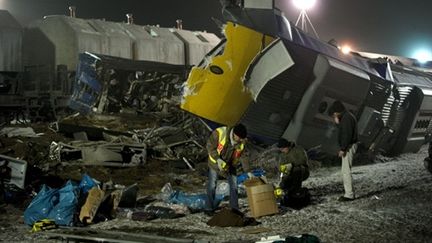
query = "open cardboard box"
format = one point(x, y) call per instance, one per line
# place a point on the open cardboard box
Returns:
point(261, 197)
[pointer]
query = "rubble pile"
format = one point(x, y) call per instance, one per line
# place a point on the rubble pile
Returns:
point(183, 140)
point(148, 134)
point(52, 154)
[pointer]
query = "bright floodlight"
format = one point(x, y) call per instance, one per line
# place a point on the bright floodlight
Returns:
point(304, 4)
point(423, 56)
point(345, 49)
point(303, 18)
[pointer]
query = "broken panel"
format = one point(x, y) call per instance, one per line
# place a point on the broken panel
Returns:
point(214, 89)
point(108, 84)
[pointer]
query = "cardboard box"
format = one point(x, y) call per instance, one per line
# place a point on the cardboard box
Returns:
point(91, 205)
point(261, 198)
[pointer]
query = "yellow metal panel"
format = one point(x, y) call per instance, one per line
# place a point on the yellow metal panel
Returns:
point(222, 97)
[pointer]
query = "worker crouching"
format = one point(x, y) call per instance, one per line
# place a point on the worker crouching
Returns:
point(294, 170)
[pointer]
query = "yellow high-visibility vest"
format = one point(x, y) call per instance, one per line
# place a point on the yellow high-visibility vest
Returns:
point(222, 135)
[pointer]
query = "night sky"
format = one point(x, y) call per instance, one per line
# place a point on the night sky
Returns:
point(383, 26)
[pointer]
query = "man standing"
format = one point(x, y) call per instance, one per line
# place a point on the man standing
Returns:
point(347, 139)
point(225, 146)
point(293, 167)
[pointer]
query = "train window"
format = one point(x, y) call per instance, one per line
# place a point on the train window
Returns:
point(322, 107)
point(422, 124)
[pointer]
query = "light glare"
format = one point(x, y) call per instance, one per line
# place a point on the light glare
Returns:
point(345, 49)
point(304, 4)
point(423, 56)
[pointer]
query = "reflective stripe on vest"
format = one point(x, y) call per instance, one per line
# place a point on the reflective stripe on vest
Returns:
point(222, 135)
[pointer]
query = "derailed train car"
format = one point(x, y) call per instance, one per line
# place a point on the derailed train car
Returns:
point(285, 86)
point(42, 58)
point(107, 84)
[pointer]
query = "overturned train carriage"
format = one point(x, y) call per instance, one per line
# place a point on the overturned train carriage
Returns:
point(287, 87)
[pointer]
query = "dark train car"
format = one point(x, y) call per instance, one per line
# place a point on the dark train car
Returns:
point(413, 114)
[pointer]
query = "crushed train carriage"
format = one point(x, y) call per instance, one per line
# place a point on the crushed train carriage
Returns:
point(283, 85)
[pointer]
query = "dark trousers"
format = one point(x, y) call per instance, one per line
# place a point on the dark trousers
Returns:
point(293, 181)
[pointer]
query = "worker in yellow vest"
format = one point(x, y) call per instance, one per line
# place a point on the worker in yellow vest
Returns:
point(225, 146)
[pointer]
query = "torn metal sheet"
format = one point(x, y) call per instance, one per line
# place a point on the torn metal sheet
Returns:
point(100, 153)
point(272, 61)
point(107, 84)
point(121, 153)
point(18, 132)
point(80, 136)
point(18, 170)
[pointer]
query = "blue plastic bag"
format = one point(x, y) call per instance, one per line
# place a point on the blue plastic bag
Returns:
point(86, 183)
point(194, 202)
point(41, 205)
point(63, 212)
point(244, 176)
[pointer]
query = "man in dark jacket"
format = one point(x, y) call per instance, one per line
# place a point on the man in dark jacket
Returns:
point(225, 147)
point(293, 166)
point(347, 139)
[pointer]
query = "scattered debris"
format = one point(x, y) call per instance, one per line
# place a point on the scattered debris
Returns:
point(270, 239)
point(18, 132)
point(15, 173)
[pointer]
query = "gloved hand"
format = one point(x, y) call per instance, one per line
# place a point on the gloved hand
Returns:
point(250, 175)
point(278, 192)
point(222, 165)
point(286, 168)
